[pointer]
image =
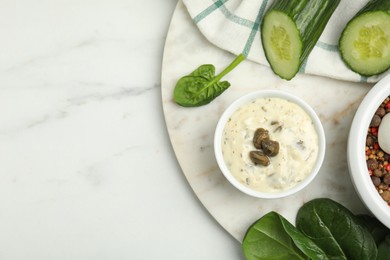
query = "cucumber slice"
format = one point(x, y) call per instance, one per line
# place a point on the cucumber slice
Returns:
point(289, 31)
point(365, 42)
point(284, 45)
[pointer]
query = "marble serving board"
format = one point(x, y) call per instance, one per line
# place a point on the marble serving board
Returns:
point(191, 130)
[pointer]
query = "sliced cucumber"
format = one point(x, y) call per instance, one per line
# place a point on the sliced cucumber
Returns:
point(289, 31)
point(283, 44)
point(365, 42)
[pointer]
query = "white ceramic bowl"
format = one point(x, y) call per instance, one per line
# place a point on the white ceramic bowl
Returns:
point(263, 94)
point(356, 151)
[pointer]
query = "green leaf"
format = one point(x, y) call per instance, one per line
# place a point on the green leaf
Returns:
point(305, 244)
point(384, 249)
point(197, 91)
point(336, 230)
point(374, 226)
point(273, 237)
point(206, 71)
point(201, 86)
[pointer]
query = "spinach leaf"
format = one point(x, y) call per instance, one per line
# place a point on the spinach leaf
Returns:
point(384, 249)
point(379, 232)
point(305, 244)
point(201, 86)
point(374, 226)
point(273, 237)
point(336, 230)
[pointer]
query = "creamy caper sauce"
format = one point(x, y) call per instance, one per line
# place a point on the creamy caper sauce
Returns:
point(287, 124)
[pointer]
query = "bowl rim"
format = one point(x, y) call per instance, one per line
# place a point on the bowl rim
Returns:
point(264, 93)
point(356, 150)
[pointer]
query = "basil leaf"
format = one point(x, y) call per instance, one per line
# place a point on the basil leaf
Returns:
point(273, 237)
point(336, 230)
point(201, 86)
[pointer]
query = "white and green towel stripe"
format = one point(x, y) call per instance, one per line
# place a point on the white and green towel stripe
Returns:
point(234, 25)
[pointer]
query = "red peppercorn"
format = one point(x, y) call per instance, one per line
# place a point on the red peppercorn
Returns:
point(374, 131)
point(388, 105)
point(388, 167)
point(376, 146)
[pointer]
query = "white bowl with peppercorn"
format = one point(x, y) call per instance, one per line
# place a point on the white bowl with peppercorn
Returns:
point(369, 150)
point(269, 144)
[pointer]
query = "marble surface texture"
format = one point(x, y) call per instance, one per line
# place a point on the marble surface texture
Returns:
point(87, 168)
point(191, 129)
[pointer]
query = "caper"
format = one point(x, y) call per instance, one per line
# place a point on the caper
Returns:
point(258, 157)
point(260, 135)
point(269, 147)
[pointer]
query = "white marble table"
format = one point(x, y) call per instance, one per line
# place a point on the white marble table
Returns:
point(87, 169)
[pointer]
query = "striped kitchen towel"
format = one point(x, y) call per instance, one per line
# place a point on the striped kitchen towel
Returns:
point(234, 25)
